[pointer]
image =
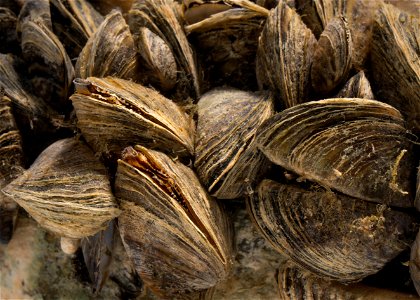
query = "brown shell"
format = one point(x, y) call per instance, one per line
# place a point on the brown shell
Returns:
point(11, 166)
point(332, 235)
point(415, 263)
point(114, 113)
point(332, 59)
point(227, 43)
point(395, 62)
point(157, 60)
point(355, 146)
point(46, 53)
point(8, 38)
point(297, 284)
point(66, 190)
point(226, 158)
point(284, 56)
point(359, 13)
point(98, 251)
point(31, 111)
point(110, 51)
point(417, 200)
point(176, 235)
point(357, 86)
point(163, 18)
point(74, 22)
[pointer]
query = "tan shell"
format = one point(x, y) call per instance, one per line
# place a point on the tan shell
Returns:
point(297, 284)
point(332, 235)
point(226, 44)
point(176, 235)
point(395, 62)
point(66, 190)
point(355, 146)
point(284, 56)
point(163, 18)
point(332, 59)
point(357, 86)
point(226, 158)
point(110, 51)
point(11, 166)
point(114, 113)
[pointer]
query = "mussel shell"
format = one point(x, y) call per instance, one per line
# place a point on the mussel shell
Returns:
point(49, 60)
point(74, 21)
point(176, 235)
point(196, 11)
point(110, 51)
point(356, 146)
point(114, 113)
point(417, 200)
point(157, 61)
point(297, 284)
point(11, 166)
point(31, 111)
point(8, 37)
point(226, 45)
point(284, 56)
point(332, 59)
point(164, 19)
point(395, 62)
point(226, 159)
point(66, 190)
point(331, 235)
point(357, 86)
point(359, 13)
point(415, 263)
point(37, 11)
point(98, 252)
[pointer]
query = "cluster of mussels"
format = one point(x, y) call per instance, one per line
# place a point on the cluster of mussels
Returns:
point(143, 120)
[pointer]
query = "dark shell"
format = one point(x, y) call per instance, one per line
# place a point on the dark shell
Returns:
point(48, 60)
point(332, 59)
point(415, 263)
point(8, 38)
point(417, 200)
point(395, 62)
point(98, 252)
point(356, 146)
point(284, 56)
point(331, 235)
point(297, 284)
point(226, 45)
point(74, 22)
point(11, 166)
point(359, 14)
point(30, 110)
